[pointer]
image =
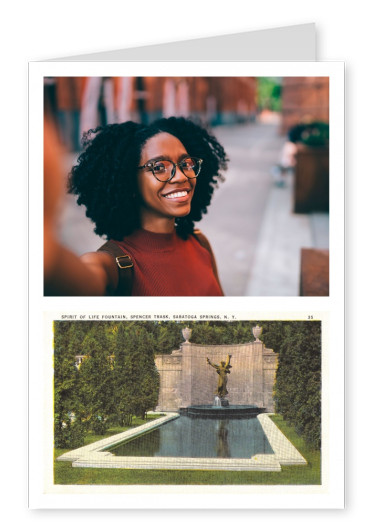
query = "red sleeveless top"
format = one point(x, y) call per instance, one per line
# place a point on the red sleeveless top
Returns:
point(166, 265)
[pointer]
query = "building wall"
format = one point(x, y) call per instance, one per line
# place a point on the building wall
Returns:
point(187, 379)
point(304, 99)
point(217, 100)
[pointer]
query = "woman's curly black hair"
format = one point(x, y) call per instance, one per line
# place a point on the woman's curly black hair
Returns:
point(105, 176)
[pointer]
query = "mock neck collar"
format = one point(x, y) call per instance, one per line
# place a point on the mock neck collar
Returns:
point(152, 241)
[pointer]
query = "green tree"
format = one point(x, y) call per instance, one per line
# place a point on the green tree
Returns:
point(221, 333)
point(167, 336)
point(68, 430)
point(273, 333)
point(137, 379)
point(298, 379)
point(97, 380)
point(269, 92)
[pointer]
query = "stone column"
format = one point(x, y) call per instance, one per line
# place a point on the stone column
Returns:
point(169, 367)
point(257, 379)
point(186, 382)
point(270, 359)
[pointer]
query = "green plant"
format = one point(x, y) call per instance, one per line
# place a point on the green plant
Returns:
point(69, 433)
point(315, 134)
point(297, 390)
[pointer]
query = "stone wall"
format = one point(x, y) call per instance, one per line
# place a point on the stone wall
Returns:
point(186, 378)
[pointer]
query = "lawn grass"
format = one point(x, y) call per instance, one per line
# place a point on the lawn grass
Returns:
point(91, 437)
point(310, 474)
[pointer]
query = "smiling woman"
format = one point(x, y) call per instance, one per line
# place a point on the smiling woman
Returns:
point(166, 188)
point(144, 187)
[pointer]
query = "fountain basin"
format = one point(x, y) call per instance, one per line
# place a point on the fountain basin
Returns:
point(98, 454)
point(229, 412)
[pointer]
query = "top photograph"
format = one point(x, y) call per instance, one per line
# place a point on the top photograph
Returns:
point(186, 186)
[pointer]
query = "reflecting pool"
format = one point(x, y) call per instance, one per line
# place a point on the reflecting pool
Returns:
point(196, 437)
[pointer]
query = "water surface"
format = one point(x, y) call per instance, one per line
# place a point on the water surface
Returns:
point(195, 437)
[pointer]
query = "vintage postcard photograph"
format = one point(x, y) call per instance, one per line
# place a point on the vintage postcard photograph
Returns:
point(224, 402)
point(224, 405)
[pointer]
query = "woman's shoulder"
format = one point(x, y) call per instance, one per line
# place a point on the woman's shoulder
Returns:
point(204, 242)
point(121, 268)
point(202, 239)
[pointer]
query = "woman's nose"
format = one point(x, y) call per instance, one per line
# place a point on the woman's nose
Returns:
point(178, 176)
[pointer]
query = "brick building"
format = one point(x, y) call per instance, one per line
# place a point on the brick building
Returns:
point(304, 99)
point(216, 100)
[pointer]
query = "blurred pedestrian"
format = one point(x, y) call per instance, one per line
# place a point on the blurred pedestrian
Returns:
point(287, 161)
point(91, 101)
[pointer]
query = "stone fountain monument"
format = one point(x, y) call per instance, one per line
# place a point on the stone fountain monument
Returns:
point(187, 379)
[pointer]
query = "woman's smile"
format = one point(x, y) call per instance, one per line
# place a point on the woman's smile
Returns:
point(179, 195)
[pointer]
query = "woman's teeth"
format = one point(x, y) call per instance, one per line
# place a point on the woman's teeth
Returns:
point(176, 194)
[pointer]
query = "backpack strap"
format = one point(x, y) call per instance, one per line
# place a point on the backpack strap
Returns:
point(204, 242)
point(125, 268)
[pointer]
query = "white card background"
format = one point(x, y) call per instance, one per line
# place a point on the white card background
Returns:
point(340, 37)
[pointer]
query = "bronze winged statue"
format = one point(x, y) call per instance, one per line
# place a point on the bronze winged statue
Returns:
point(223, 369)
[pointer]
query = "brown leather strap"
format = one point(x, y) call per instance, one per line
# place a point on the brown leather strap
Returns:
point(125, 268)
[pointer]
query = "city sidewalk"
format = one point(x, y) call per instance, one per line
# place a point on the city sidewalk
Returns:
point(276, 266)
point(237, 210)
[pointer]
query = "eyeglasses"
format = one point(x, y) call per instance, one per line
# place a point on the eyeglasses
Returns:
point(165, 170)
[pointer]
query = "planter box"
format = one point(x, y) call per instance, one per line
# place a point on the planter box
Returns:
point(314, 273)
point(311, 186)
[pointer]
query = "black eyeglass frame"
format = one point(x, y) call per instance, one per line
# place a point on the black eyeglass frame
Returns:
point(150, 165)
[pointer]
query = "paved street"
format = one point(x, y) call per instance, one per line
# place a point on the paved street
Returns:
point(235, 216)
point(255, 236)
